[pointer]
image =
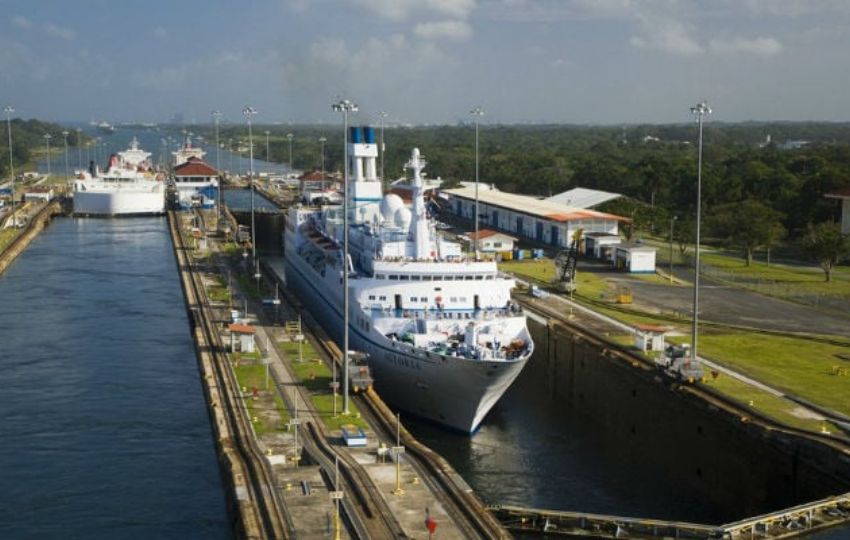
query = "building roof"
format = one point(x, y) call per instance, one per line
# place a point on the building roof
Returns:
point(654, 328)
point(843, 193)
point(583, 197)
point(237, 328)
point(194, 167)
point(487, 233)
point(531, 206)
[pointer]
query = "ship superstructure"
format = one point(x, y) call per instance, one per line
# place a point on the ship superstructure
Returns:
point(443, 337)
point(129, 186)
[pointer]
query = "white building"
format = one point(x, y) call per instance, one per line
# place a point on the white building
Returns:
point(543, 221)
point(242, 334)
point(38, 194)
point(635, 259)
point(491, 241)
point(196, 184)
point(583, 198)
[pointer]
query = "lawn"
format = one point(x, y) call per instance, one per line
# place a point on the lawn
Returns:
point(6, 237)
point(316, 378)
point(252, 376)
point(542, 271)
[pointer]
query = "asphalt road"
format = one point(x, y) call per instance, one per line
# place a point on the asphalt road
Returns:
point(730, 305)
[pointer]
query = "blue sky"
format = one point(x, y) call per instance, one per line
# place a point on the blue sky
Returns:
point(426, 61)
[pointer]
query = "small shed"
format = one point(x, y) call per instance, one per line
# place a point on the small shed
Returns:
point(600, 245)
point(38, 194)
point(244, 335)
point(491, 241)
point(650, 337)
point(635, 259)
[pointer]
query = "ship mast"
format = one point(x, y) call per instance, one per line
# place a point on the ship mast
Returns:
point(419, 224)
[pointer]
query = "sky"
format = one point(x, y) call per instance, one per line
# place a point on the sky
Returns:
point(426, 61)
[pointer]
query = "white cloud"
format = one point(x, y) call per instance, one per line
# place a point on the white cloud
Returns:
point(399, 10)
point(667, 35)
point(21, 22)
point(60, 32)
point(758, 46)
point(453, 30)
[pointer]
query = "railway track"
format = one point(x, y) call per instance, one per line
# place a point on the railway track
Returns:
point(261, 511)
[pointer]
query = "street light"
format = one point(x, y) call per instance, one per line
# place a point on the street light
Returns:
point(230, 151)
point(9, 110)
point(477, 112)
point(268, 159)
point(322, 142)
point(382, 115)
point(216, 117)
point(249, 112)
point(700, 110)
point(345, 107)
point(47, 137)
point(672, 221)
point(65, 137)
point(79, 149)
point(289, 137)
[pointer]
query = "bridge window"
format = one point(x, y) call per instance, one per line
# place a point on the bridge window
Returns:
point(382, 298)
point(371, 297)
point(415, 278)
point(380, 276)
point(393, 276)
point(478, 278)
point(467, 278)
point(404, 278)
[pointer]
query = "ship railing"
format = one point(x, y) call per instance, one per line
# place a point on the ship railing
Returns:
point(513, 310)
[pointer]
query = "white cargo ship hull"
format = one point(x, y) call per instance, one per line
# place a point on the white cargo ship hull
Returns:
point(119, 202)
point(453, 391)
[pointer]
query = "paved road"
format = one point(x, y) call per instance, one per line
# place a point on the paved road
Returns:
point(730, 305)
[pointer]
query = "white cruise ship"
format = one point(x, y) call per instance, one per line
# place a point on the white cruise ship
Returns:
point(128, 187)
point(443, 337)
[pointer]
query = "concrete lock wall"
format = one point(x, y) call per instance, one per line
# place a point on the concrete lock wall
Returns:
point(739, 467)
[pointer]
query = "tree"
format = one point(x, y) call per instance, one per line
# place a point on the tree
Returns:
point(825, 243)
point(747, 225)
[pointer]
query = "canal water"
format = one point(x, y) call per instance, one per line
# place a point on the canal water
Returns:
point(104, 430)
point(240, 200)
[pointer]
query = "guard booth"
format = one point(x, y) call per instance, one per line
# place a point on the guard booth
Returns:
point(650, 337)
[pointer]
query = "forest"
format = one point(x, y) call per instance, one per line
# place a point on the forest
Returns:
point(28, 139)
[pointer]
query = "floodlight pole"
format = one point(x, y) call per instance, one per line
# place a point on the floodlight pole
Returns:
point(249, 112)
point(700, 110)
point(9, 110)
point(477, 112)
point(345, 106)
point(216, 117)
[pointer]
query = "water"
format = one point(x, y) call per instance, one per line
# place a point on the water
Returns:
point(240, 200)
point(150, 140)
point(535, 451)
point(105, 432)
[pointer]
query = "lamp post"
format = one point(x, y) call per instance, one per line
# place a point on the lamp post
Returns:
point(477, 112)
point(672, 221)
point(249, 112)
point(217, 117)
point(322, 141)
point(47, 137)
point(289, 137)
point(230, 151)
point(65, 138)
point(700, 110)
point(382, 115)
point(268, 159)
point(345, 107)
point(79, 149)
point(9, 110)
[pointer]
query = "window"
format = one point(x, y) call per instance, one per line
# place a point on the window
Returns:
point(467, 278)
point(393, 276)
point(404, 278)
point(382, 298)
point(497, 244)
point(462, 299)
point(371, 297)
point(453, 299)
point(490, 276)
point(413, 299)
point(423, 299)
point(426, 278)
point(380, 276)
point(438, 288)
point(479, 278)
point(415, 278)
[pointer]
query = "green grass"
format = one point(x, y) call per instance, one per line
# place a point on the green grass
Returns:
point(316, 378)
point(6, 237)
point(543, 272)
point(764, 402)
point(252, 376)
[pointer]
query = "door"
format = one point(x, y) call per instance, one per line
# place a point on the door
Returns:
point(555, 238)
point(476, 302)
point(539, 231)
point(519, 225)
point(398, 301)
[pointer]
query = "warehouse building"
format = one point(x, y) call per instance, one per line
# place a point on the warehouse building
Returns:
point(543, 221)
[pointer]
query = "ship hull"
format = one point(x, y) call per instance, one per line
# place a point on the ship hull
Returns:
point(118, 203)
point(452, 391)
